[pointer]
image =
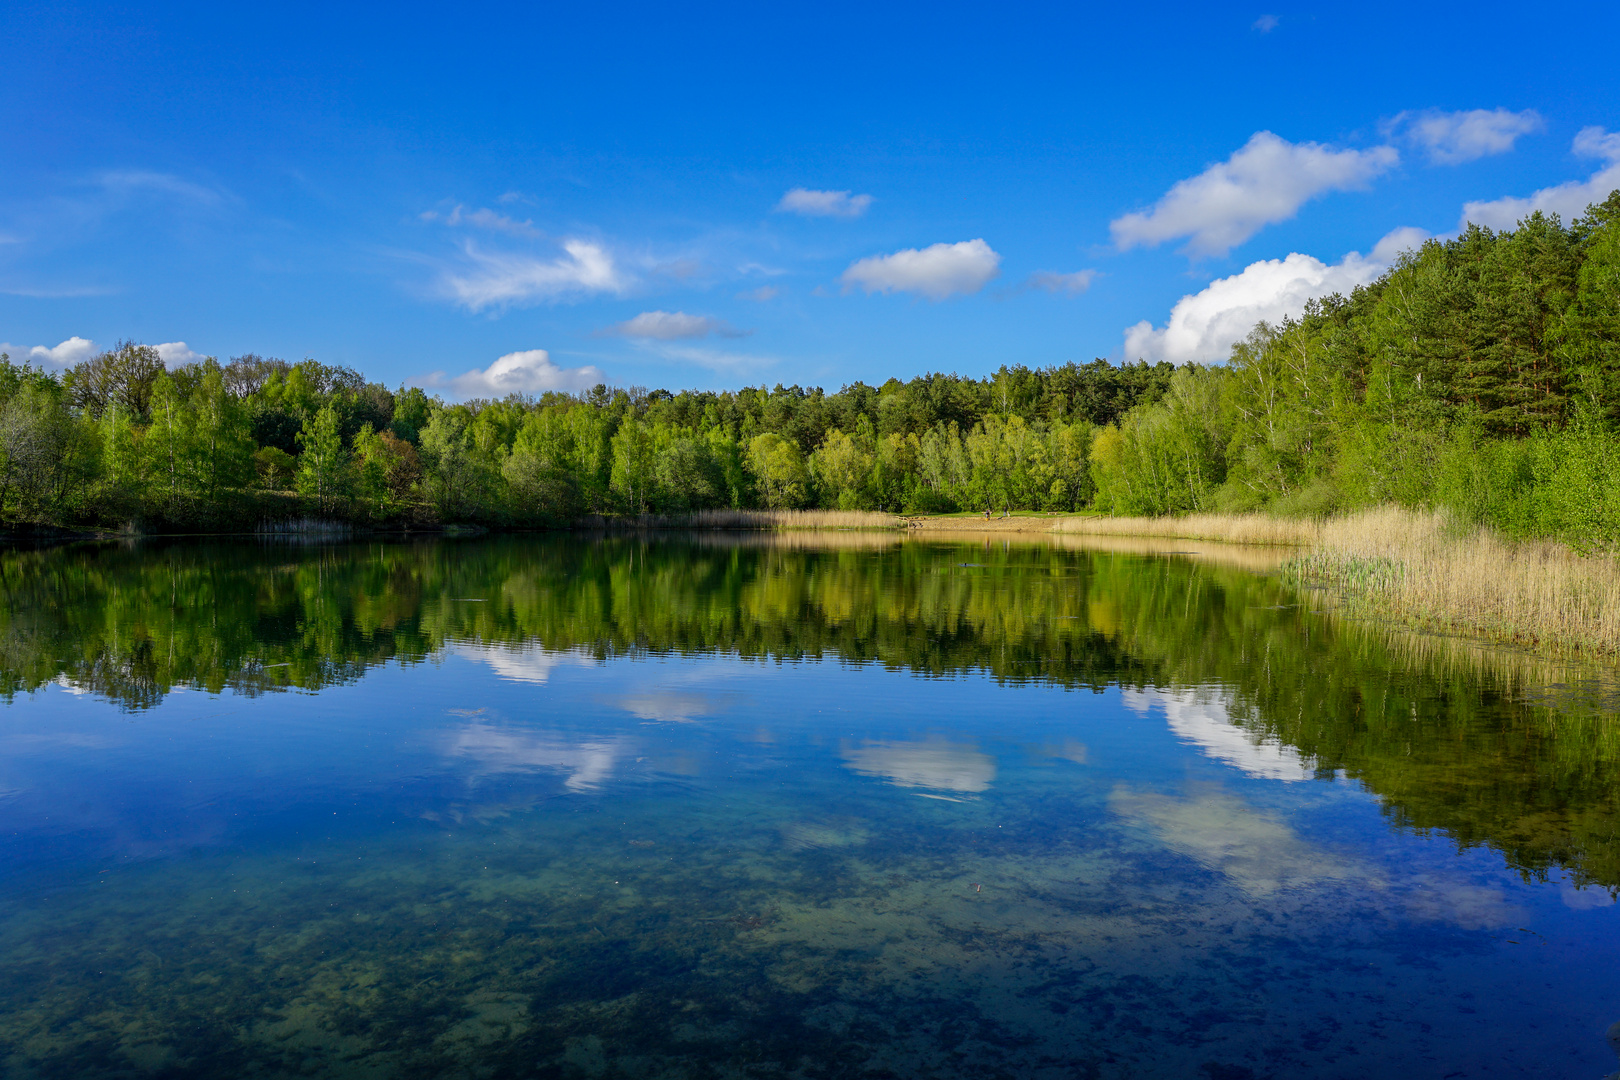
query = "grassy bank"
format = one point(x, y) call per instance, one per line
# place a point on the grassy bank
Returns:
point(1425, 570)
point(770, 520)
point(1231, 528)
point(1431, 571)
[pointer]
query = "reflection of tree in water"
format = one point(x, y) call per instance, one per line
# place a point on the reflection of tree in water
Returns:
point(1447, 747)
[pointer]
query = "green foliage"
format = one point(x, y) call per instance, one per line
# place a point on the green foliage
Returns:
point(323, 467)
point(1480, 373)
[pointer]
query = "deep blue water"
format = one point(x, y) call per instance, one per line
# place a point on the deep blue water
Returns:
point(509, 858)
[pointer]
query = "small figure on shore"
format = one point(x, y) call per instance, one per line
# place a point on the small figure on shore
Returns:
point(987, 513)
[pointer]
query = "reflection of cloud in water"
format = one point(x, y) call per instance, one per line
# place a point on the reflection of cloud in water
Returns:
point(937, 764)
point(1262, 855)
point(525, 663)
point(504, 748)
point(1259, 853)
point(1200, 716)
point(673, 706)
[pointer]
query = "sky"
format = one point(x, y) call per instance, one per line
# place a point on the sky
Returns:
point(482, 199)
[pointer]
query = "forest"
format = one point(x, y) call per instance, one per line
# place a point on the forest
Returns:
point(1480, 373)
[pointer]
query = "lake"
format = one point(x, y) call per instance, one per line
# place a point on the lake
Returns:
point(782, 806)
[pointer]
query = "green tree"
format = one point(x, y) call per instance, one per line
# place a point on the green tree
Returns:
point(323, 466)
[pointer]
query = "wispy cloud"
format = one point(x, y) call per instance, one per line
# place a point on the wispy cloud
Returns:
point(673, 326)
point(1064, 284)
point(935, 272)
point(66, 293)
point(709, 358)
point(1204, 325)
point(481, 218)
point(1267, 23)
point(761, 294)
point(504, 279)
point(1568, 200)
point(1452, 138)
point(138, 180)
point(72, 351)
point(810, 203)
point(527, 372)
point(1264, 182)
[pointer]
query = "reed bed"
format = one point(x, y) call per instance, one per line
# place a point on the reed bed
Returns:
point(1256, 559)
point(756, 520)
point(1430, 571)
point(1231, 528)
point(304, 528)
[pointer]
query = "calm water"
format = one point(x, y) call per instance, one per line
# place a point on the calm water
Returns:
point(754, 808)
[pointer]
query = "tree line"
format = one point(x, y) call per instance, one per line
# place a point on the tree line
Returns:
point(1480, 373)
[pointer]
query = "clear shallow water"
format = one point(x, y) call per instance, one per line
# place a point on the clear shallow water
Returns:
point(563, 807)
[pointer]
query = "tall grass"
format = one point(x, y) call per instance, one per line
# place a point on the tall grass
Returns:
point(1432, 571)
point(754, 519)
point(1232, 528)
point(304, 528)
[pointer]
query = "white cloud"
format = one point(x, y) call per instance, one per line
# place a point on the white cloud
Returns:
point(504, 748)
point(761, 294)
point(526, 664)
point(503, 279)
point(1203, 326)
point(823, 203)
point(1452, 138)
point(1267, 23)
point(672, 326)
point(72, 351)
point(1069, 284)
point(1201, 716)
point(177, 353)
point(1595, 142)
point(528, 372)
point(936, 764)
point(1568, 200)
point(936, 272)
point(1266, 181)
point(482, 218)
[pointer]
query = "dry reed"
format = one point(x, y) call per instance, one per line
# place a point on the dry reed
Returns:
point(1430, 571)
point(1231, 528)
point(755, 519)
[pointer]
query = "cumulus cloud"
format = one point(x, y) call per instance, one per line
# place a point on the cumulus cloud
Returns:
point(808, 203)
point(528, 372)
point(1451, 138)
point(1568, 200)
point(936, 272)
point(1204, 325)
point(1068, 284)
point(500, 279)
point(69, 352)
point(673, 326)
point(1266, 181)
point(177, 353)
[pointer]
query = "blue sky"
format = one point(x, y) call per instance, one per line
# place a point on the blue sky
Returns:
point(493, 198)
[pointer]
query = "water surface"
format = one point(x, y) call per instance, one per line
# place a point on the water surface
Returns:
point(760, 807)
